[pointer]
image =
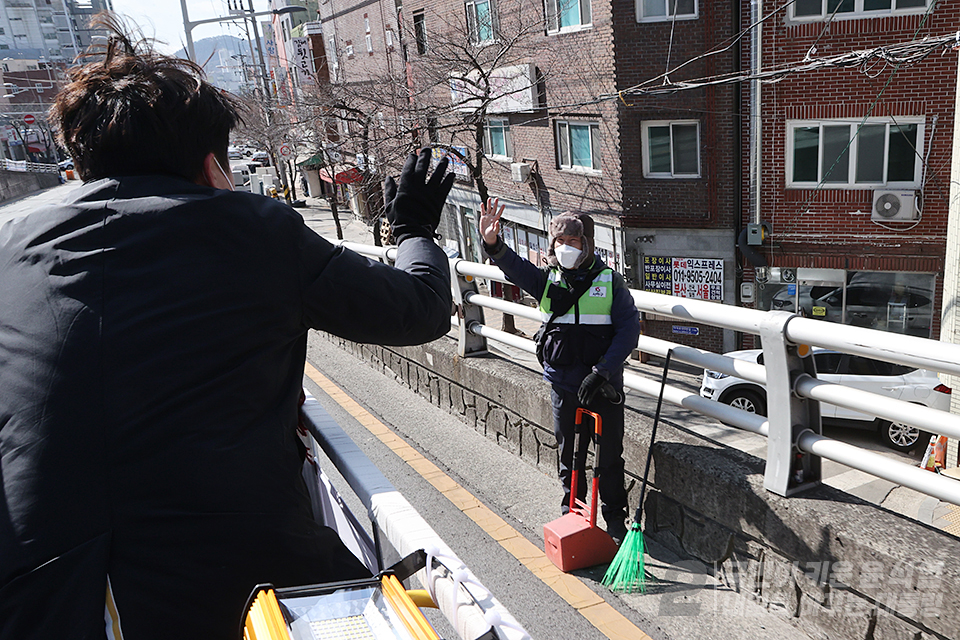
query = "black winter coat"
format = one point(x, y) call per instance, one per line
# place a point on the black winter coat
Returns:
point(152, 345)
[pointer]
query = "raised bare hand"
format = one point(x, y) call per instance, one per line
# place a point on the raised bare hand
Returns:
point(490, 213)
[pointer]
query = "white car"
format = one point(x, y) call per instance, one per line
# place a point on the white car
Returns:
point(883, 378)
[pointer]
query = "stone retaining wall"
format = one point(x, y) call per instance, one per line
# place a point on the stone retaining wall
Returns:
point(838, 567)
point(14, 184)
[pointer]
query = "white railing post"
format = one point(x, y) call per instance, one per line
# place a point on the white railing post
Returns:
point(789, 470)
point(469, 343)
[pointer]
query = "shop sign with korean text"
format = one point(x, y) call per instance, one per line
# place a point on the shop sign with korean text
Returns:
point(700, 278)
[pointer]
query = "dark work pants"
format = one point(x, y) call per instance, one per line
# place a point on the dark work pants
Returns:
point(613, 496)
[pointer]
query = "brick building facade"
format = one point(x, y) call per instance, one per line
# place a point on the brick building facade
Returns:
point(856, 168)
point(668, 176)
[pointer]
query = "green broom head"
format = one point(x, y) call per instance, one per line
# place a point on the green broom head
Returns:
point(626, 572)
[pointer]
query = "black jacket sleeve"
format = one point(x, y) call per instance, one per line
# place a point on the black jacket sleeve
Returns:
point(362, 300)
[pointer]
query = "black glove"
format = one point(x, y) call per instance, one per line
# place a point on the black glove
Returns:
point(413, 209)
point(589, 388)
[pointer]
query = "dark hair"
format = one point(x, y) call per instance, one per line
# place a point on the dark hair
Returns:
point(135, 111)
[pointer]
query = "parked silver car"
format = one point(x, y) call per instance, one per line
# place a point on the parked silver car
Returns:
point(876, 376)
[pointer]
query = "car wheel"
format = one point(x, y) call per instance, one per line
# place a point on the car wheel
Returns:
point(747, 400)
point(902, 437)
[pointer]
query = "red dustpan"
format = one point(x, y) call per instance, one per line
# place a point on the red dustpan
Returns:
point(574, 541)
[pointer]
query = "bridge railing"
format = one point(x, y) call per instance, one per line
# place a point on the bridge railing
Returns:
point(468, 606)
point(24, 166)
point(795, 444)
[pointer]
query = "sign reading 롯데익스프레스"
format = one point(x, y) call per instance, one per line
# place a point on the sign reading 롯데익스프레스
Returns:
point(700, 278)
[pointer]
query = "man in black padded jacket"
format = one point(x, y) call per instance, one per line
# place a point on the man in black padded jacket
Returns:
point(153, 333)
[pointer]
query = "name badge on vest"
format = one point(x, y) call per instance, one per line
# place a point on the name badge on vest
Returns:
point(598, 291)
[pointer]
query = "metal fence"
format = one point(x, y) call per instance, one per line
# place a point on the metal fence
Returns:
point(795, 444)
point(467, 605)
point(32, 167)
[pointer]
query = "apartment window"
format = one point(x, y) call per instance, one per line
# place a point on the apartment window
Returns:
point(366, 24)
point(496, 138)
point(671, 149)
point(4, 46)
point(578, 145)
point(654, 10)
point(812, 10)
point(480, 21)
point(1, 31)
point(567, 15)
point(420, 32)
point(369, 43)
point(389, 38)
point(349, 49)
point(833, 153)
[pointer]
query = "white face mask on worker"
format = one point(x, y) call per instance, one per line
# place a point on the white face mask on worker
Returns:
point(567, 255)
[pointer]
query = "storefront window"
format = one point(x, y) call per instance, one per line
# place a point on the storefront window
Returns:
point(887, 301)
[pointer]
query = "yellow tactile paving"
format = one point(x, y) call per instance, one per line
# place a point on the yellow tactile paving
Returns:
point(953, 517)
point(592, 607)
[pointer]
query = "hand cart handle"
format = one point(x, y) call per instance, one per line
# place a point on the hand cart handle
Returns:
point(597, 432)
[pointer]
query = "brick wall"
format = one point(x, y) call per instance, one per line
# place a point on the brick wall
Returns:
point(645, 51)
point(832, 227)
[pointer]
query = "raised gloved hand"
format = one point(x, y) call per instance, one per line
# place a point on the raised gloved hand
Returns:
point(413, 208)
point(589, 388)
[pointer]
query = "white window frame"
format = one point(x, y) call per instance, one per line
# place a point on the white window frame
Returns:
point(389, 38)
point(562, 140)
point(642, 16)
point(552, 13)
point(645, 144)
point(366, 24)
point(507, 138)
point(857, 13)
point(349, 50)
point(369, 40)
point(473, 21)
point(854, 124)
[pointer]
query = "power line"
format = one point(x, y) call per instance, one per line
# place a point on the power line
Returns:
point(898, 55)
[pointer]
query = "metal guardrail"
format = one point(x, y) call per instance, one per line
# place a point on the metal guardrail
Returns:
point(30, 167)
point(469, 606)
point(794, 441)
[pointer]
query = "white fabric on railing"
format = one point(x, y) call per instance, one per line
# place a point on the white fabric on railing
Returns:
point(407, 531)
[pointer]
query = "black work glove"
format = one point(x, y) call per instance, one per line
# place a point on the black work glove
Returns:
point(413, 209)
point(589, 388)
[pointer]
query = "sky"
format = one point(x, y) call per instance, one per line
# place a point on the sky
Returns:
point(163, 19)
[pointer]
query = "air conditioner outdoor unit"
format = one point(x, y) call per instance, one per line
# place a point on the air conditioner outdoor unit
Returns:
point(519, 171)
point(893, 206)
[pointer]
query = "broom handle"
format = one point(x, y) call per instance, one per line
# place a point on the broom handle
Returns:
point(653, 436)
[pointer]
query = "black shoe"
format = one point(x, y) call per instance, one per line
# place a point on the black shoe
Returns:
point(617, 530)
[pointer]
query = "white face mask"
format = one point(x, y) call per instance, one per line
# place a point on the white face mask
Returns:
point(567, 255)
point(228, 178)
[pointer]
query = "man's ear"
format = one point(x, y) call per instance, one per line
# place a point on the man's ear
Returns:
point(210, 173)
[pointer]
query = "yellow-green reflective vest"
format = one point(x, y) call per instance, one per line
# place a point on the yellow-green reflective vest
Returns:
point(594, 305)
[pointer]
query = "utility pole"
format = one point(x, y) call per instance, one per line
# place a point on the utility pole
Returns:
point(263, 65)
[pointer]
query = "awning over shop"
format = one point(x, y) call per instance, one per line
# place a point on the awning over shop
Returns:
point(316, 160)
point(341, 174)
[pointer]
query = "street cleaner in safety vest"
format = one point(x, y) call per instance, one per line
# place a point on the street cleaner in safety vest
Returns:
point(582, 345)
